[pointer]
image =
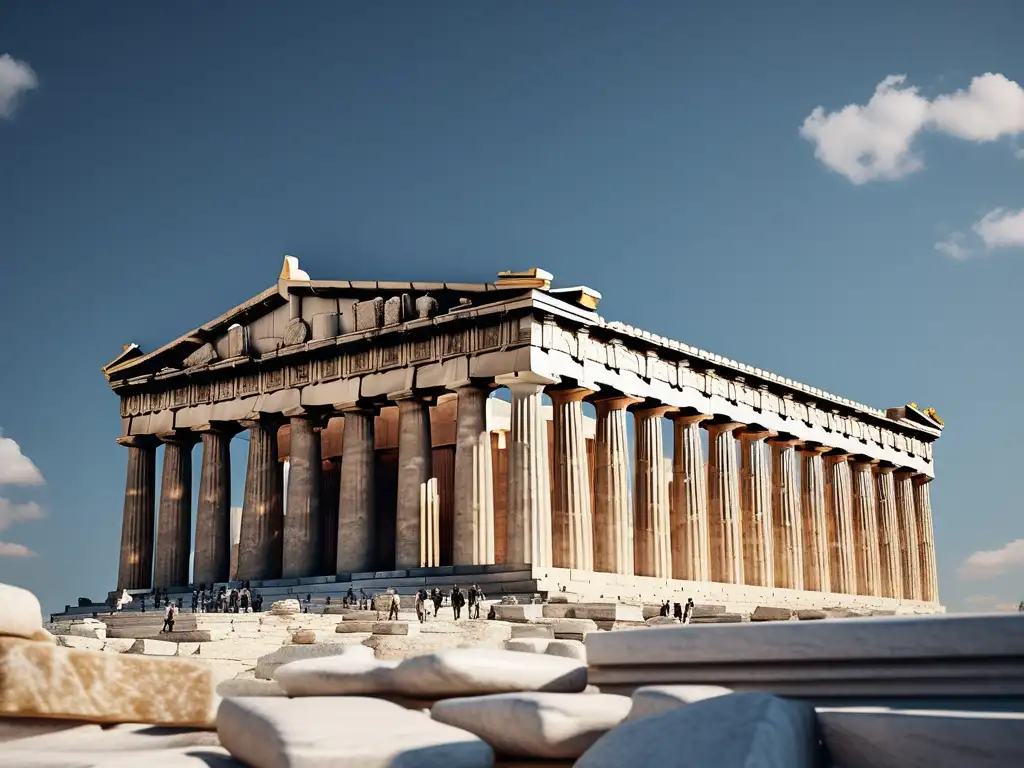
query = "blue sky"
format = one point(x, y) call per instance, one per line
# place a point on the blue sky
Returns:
point(157, 160)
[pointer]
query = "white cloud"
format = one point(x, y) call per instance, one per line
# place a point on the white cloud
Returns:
point(987, 564)
point(16, 77)
point(875, 141)
point(953, 246)
point(1001, 228)
point(10, 549)
point(15, 467)
point(11, 513)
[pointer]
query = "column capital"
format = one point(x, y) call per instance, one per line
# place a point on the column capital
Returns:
point(860, 461)
point(614, 402)
point(570, 394)
point(524, 378)
point(481, 384)
point(268, 420)
point(724, 426)
point(407, 395)
point(138, 441)
point(652, 411)
point(229, 428)
point(837, 456)
point(688, 418)
point(816, 449)
point(903, 473)
point(755, 434)
point(885, 468)
point(922, 479)
point(784, 441)
point(356, 406)
point(179, 437)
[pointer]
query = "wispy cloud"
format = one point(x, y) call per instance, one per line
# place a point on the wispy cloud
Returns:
point(10, 549)
point(16, 77)
point(990, 563)
point(995, 230)
point(953, 246)
point(15, 467)
point(11, 513)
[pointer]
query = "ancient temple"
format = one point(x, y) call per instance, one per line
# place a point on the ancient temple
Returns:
point(380, 396)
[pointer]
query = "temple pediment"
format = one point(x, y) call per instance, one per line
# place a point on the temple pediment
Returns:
point(920, 417)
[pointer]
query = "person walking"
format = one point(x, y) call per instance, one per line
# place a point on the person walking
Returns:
point(677, 612)
point(421, 604)
point(688, 611)
point(393, 609)
point(474, 612)
point(169, 618)
point(458, 600)
point(436, 599)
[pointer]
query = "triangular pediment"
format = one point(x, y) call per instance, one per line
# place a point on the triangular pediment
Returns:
point(919, 417)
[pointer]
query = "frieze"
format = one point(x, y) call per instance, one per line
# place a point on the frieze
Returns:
point(488, 337)
point(273, 380)
point(329, 368)
point(201, 393)
point(421, 350)
point(359, 362)
point(455, 344)
point(391, 357)
point(298, 375)
point(248, 385)
point(179, 397)
point(224, 390)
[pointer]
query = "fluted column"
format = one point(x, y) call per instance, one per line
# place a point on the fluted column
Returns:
point(756, 506)
point(415, 467)
point(926, 538)
point(839, 504)
point(888, 519)
point(572, 524)
point(691, 551)
point(260, 545)
point(212, 562)
point(613, 513)
point(787, 524)
point(474, 481)
point(724, 504)
point(910, 553)
point(330, 498)
point(135, 569)
point(652, 545)
point(357, 519)
point(865, 531)
point(304, 523)
point(174, 519)
point(529, 484)
point(812, 503)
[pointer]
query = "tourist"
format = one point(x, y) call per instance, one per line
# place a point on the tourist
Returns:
point(458, 600)
point(663, 611)
point(169, 619)
point(688, 611)
point(677, 612)
point(195, 600)
point(421, 595)
point(393, 607)
point(472, 598)
point(328, 601)
point(363, 602)
point(436, 599)
point(244, 599)
point(475, 610)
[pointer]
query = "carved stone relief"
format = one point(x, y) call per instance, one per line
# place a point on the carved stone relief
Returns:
point(205, 354)
point(393, 311)
point(369, 314)
point(238, 341)
point(296, 332)
point(426, 306)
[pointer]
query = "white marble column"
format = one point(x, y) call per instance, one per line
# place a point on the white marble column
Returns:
point(356, 545)
point(415, 467)
point(691, 552)
point(926, 538)
point(651, 532)
point(812, 504)
point(910, 552)
point(888, 519)
point(572, 524)
point(613, 512)
point(839, 505)
point(724, 504)
point(529, 484)
point(865, 531)
point(787, 524)
point(473, 536)
point(756, 506)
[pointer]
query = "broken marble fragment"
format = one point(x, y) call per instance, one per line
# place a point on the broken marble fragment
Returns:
point(20, 614)
point(471, 671)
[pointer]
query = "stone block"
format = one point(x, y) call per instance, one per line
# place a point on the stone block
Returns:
point(396, 628)
point(286, 607)
point(563, 597)
point(528, 645)
point(249, 687)
point(305, 637)
point(703, 611)
point(573, 629)
point(266, 665)
point(535, 725)
point(660, 621)
point(569, 649)
point(524, 631)
point(609, 612)
point(20, 613)
point(721, 618)
point(344, 675)
point(770, 613)
point(520, 613)
point(88, 740)
point(653, 700)
point(559, 611)
point(117, 644)
point(147, 647)
point(96, 631)
point(82, 643)
point(186, 757)
point(346, 627)
point(807, 614)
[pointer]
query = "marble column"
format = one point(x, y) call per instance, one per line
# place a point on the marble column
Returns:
point(357, 530)
point(330, 498)
point(812, 504)
point(473, 538)
point(926, 538)
point(865, 530)
point(135, 569)
point(888, 518)
point(613, 513)
point(304, 523)
point(529, 484)
point(260, 545)
point(839, 505)
point(415, 467)
point(652, 544)
point(174, 518)
point(756, 509)
point(787, 523)
point(910, 553)
point(691, 552)
point(724, 504)
point(572, 524)
point(212, 562)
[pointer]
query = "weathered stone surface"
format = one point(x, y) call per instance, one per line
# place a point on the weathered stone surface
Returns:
point(266, 665)
point(250, 687)
point(348, 627)
point(336, 676)
point(528, 644)
point(721, 618)
point(81, 643)
point(608, 612)
point(469, 671)
point(42, 680)
point(20, 613)
point(305, 637)
point(573, 628)
point(656, 699)
point(810, 615)
point(350, 614)
point(130, 736)
point(660, 621)
point(188, 757)
point(286, 607)
point(13, 728)
point(569, 649)
point(522, 631)
point(117, 644)
point(96, 630)
point(564, 597)
point(395, 628)
point(539, 725)
point(742, 730)
point(342, 733)
point(148, 647)
point(768, 613)
point(522, 613)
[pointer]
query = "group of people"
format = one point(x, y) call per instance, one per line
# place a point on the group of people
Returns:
point(226, 600)
point(457, 599)
point(678, 611)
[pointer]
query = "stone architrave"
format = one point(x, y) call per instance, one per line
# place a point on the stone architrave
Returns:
point(174, 520)
point(756, 505)
point(357, 537)
point(910, 552)
point(212, 562)
point(724, 504)
point(304, 523)
point(786, 519)
point(691, 552)
point(473, 536)
point(613, 513)
point(865, 531)
point(652, 544)
point(839, 506)
point(926, 538)
point(572, 525)
point(135, 568)
point(529, 486)
point(888, 518)
point(415, 468)
point(812, 502)
point(260, 544)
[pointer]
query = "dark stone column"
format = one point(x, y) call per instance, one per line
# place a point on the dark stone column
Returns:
point(260, 545)
point(303, 525)
point(135, 570)
point(357, 538)
point(330, 498)
point(174, 522)
point(213, 514)
point(415, 467)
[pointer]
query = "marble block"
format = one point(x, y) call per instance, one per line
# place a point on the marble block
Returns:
point(522, 613)
point(97, 630)
point(528, 645)
point(573, 627)
point(742, 730)
point(14, 728)
point(249, 687)
point(656, 699)
point(265, 665)
point(471, 671)
point(396, 628)
point(569, 649)
point(285, 607)
point(147, 647)
point(42, 680)
point(304, 637)
point(660, 621)
point(20, 613)
point(538, 725)
point(336, 676)
point(343, 732)
point(187, 757)
point(523, 631)
point(82, 643)
point(769, 613)
point(346, 627)
point(129, 736)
